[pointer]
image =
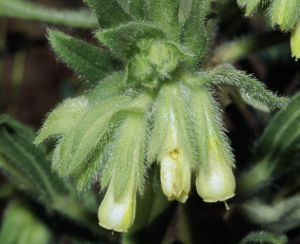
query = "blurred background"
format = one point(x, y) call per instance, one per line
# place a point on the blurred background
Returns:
point(33, 82)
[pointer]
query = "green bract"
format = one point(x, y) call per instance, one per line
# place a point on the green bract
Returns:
point(152, 102)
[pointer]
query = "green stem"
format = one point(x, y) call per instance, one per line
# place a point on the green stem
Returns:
point(30, 11)
point(231, 52)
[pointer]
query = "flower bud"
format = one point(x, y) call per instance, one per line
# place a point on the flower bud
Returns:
point(175, 176)
point(216, 181)
point(118, 214)
point(295, 41)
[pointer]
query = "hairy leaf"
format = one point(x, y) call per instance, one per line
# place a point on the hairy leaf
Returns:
point(32, 11)
point(110, 86)
point(86, 136)
point(263, 237)
point(165, 15)
point(194, 33)
point(122, 40)
point(252, 91)
point(89, 172)
point(281, 132)
point(109, 13)
point(22, 158)
point(250, 5)
point(285, 13)
point(134, 8)
point(88, 61)
point(62, 118)
point(184, 11)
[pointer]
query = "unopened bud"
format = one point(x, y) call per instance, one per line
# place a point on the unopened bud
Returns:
point(216, 181)
point(118, 214)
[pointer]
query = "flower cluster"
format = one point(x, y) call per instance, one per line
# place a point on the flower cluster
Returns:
point(150, 104)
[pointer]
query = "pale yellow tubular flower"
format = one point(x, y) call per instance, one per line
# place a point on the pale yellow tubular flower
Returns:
point(295, 41)
point(216, 181)
point(118, 214)
point(175, 172)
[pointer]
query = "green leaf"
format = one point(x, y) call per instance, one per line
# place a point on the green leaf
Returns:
point(32, 11)
point(263, 237)
point(84, 138)
point(122, 40)
point(285, 13)
point(252, 91)
point(108, 87)
point(109, 12)
point(184, 11)
point(89, 172)
point(250, 5)
point(21, 226)
point(134, 8)
point(281, 132)
point(16, 126)
point(165, 15)
point(63, 118)
point(22, 158)
point(272, 147)
point(90, 62)
point(194, 33)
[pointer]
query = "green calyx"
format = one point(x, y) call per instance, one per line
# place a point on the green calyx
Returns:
point(155, 62)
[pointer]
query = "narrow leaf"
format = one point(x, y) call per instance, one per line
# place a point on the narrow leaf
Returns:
point(134, 8)
point(165, 15)
point(108, 87)
point(123, 39)
point(62, 118)
point(93, 125)
point(184, 11)
point(252, 91)
point(277, 140)
point(88, 61)
point(263, 237)
point(89, 172)
point(250, 5)
point(30, 162)
point(109, 13)
point(32, 11)
point(282, 131)
point(194, 33)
